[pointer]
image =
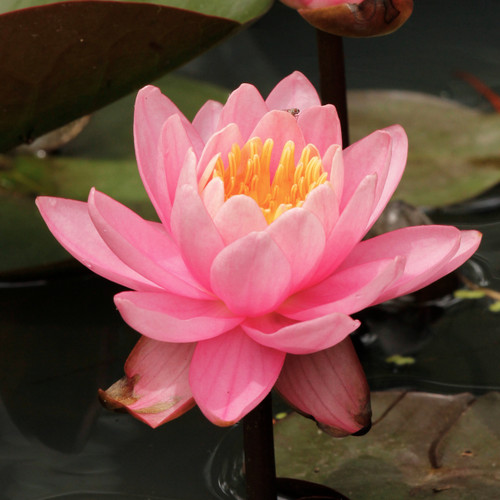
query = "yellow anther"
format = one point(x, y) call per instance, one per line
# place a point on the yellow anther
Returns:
point(249, 172)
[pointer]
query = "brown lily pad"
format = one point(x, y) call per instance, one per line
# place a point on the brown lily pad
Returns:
point(420, 444)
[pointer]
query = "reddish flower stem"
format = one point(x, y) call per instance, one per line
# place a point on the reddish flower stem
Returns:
point(332, 77)
point(260, 468)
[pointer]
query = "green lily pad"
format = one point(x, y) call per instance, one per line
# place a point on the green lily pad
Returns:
point(454, 151)
point(59, 61)
point(102, 156)
point(420, 444)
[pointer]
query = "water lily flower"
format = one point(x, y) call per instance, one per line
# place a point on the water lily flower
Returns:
point(354, 18)
point(248, 280)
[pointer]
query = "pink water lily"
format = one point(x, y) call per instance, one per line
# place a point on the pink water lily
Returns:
point(250, 277)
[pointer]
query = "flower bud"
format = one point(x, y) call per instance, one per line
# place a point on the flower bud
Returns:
point(357, 18)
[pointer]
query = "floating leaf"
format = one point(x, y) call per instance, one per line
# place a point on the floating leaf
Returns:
point(454, 151)
point(63, 60)
point(101, 156)
point(420, 444)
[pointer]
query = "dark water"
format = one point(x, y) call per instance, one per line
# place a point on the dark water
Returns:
point(61, 338)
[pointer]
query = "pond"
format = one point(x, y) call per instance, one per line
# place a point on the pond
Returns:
point(61, 338)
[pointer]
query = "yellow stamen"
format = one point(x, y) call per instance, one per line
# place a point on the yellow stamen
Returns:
point(248, 172)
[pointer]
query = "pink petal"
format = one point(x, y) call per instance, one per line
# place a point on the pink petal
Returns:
point(237, 217)
point(156, 388)
point(333, 161)
point(469, 242)
point(321, 127)
point(322, 201)
point(294, 91)
point(427, 250)
point(143, 245)
point(205, 121)
point(300, 236)
point(303, 337)
point(70, 223)
point(384, 153)
point(213, 196)
point(281, 127)
point(329, 386)
point(231, 374)
point(349, 230)
point(195, 233)
point(170, 318)
point(174, 144)
point(370, 155)
point(219, 144)
point(245, 107)
point(152, 109)
point(251, 275)
point(346, 291)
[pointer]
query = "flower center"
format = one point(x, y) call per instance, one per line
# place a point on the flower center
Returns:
point(248, 172)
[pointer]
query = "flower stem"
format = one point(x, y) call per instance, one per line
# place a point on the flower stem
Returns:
point(332, 77)
point(260, 468)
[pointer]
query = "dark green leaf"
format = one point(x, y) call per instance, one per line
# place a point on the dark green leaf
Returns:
point(59, 61)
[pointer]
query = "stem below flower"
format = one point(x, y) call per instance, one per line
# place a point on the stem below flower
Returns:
point(260, 468)
point(332, 77)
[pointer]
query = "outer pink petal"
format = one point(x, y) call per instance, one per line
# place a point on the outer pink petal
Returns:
point(303, 337)
point(156, 388)
point(231, 374)
point(143, 245)
point(245, 107)
point(294, 91)
point(70, 223)
point(383, 152)
point(347, 292)
point(252, 275)
point(329, 386)
point(171, 318)
point(427, 250)
point(281, 127)
point(370, 155)
point(152, 109)
point(301, 237)
point(195, 233)
point(237, 217)
point(469, 242)
point(205, 121)
point(321, 127)
point(349, 230)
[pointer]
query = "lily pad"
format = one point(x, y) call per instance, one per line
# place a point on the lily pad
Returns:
point(454, 151)
point(102, 156)
point(59, 61)
point(420, 444)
